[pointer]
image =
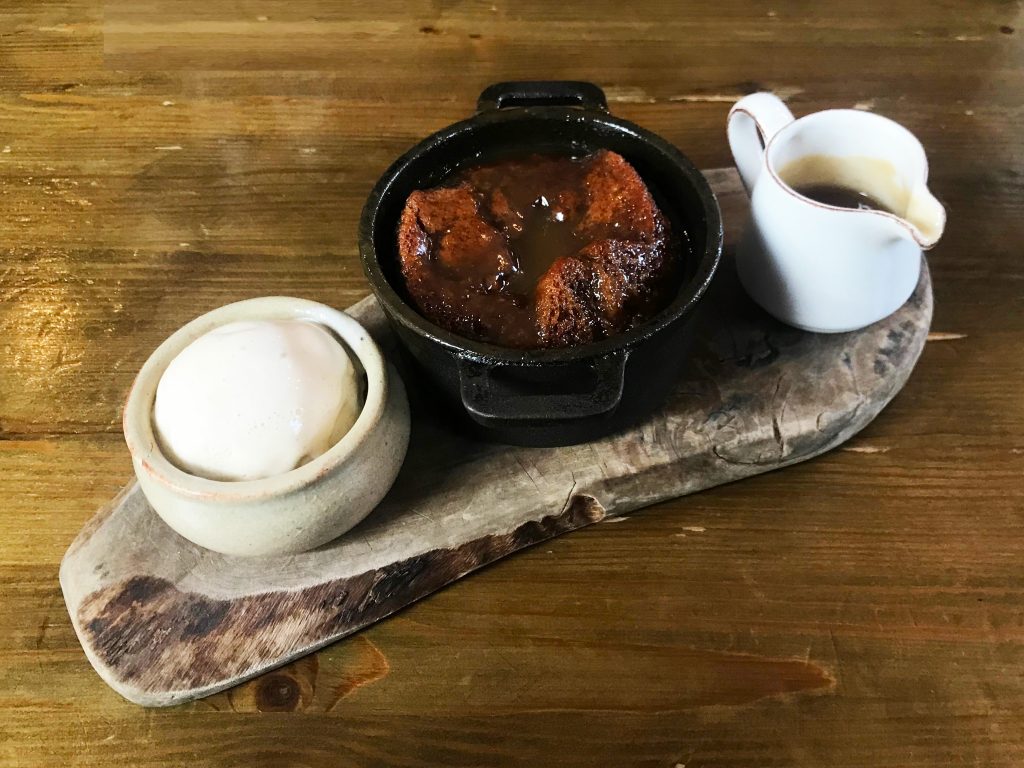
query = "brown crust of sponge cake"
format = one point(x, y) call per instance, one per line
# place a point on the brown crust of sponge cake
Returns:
point(566, 313)
point(447, 224)
point(619, 205)
point(618, 279)
point(600, 291)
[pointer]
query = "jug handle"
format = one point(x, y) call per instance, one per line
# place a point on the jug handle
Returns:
point(753, 121)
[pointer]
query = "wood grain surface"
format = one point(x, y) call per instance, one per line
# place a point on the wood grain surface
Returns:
point(864, 608)
point(165, 621)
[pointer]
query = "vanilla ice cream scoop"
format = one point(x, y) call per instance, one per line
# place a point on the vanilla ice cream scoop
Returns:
point(255, 398)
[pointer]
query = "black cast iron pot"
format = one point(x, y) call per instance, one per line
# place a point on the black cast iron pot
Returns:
point(547, 396)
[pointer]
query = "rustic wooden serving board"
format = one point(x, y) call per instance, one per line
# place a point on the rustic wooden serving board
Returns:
point(164, 621)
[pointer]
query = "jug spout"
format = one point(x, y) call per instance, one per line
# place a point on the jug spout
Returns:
point(925, 216)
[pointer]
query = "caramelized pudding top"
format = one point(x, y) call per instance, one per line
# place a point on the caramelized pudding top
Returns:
point(539, 251)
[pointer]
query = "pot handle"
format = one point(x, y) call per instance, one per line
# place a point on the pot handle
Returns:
point(489, 401)
point(542, 93)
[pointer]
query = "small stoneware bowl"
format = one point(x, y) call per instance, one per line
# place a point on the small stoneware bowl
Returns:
point(294, 511)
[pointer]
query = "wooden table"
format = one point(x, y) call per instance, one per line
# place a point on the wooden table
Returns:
point(862, 609)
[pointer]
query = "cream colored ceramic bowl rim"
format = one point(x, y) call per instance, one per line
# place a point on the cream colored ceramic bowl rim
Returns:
point(138, 410)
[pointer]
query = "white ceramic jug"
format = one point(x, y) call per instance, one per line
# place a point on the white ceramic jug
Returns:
point(817, 266)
